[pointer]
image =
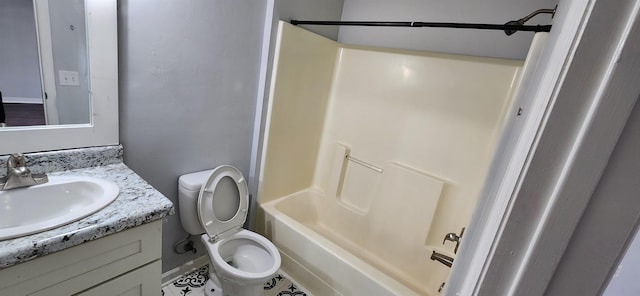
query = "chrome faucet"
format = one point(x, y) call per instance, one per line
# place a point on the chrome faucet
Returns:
point(18, 175)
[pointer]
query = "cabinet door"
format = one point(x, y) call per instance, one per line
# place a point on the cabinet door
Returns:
point(143, 281)
point(78, 268)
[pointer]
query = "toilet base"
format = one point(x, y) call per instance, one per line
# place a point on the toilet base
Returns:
point(211, 289)
point(231, 289)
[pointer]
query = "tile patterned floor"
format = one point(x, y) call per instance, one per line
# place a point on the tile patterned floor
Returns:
point(192, 284)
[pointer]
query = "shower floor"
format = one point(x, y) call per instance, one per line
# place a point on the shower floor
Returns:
point(192, 284)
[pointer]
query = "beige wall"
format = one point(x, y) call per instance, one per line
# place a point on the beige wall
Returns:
point(434, 113)
point(301, 82)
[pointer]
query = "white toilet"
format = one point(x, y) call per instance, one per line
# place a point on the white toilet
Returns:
point(215, 203)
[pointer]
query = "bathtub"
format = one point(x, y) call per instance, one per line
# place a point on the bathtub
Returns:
point(371, 156)
point(325, 258)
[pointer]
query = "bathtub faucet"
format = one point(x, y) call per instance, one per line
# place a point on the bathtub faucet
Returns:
point(442, 258)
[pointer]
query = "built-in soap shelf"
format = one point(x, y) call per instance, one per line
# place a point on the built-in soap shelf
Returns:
point(353, 181)
point(390, 195)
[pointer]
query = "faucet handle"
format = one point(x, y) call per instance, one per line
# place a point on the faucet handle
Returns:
point(19, 175)
point(17, 165)
point(451, 236)
point(16, 160)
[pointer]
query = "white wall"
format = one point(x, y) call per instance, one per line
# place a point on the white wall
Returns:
point(469, 42)
point(188, 80)
point(608, 222)
point(19, 64)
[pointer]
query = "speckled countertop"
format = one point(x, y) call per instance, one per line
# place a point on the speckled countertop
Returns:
point(138, 203)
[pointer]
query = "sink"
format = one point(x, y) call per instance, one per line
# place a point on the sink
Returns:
point(62, 200)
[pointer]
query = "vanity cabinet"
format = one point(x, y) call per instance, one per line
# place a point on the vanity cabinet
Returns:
point(124, 263)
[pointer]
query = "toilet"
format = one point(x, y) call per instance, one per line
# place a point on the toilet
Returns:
point(214, 205)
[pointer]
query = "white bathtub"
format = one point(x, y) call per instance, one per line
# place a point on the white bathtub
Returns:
point(371, 156)
point(317, 253)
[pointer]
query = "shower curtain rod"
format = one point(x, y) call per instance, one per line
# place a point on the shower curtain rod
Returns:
point(506, 27)
point(509, 28)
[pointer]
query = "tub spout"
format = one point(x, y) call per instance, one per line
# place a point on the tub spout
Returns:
point(442, 258)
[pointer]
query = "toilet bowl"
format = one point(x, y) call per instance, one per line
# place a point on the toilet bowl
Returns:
point(214, 205)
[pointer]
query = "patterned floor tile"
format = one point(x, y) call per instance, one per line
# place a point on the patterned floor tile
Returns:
point(192, 284)
point(168, 291)
point(276, 284)
point(291, 290)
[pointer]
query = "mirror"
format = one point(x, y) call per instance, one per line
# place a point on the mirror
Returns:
point(44, 75)
point(101, 62)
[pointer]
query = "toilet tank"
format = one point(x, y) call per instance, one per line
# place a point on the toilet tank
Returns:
point(188, 190)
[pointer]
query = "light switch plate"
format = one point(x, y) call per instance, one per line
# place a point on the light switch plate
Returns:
point(69, 78)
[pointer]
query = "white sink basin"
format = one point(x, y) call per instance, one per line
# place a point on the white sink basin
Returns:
point(62, 200)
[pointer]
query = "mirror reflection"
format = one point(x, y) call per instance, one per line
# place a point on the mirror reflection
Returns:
point(44, 76)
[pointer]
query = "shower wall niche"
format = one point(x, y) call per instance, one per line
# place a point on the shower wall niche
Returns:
point(380, 151)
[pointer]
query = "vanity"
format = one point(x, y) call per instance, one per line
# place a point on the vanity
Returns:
point(126, 263)
point(114, 251)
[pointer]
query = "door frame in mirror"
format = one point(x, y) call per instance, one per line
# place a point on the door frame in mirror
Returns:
point(102, 40)
point(45, 52)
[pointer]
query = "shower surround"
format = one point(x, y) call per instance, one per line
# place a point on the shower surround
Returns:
point(371, 156)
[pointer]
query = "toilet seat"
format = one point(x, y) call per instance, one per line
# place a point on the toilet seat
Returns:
point(223, 202)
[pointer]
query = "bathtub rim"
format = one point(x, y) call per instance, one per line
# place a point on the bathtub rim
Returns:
point(370, 272)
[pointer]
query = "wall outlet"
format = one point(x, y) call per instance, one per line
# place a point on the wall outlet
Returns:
point(69, 78)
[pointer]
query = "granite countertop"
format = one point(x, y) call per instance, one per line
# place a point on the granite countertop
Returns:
point(138, 203)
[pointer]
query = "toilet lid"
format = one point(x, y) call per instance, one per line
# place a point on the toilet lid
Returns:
point(223, 202)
